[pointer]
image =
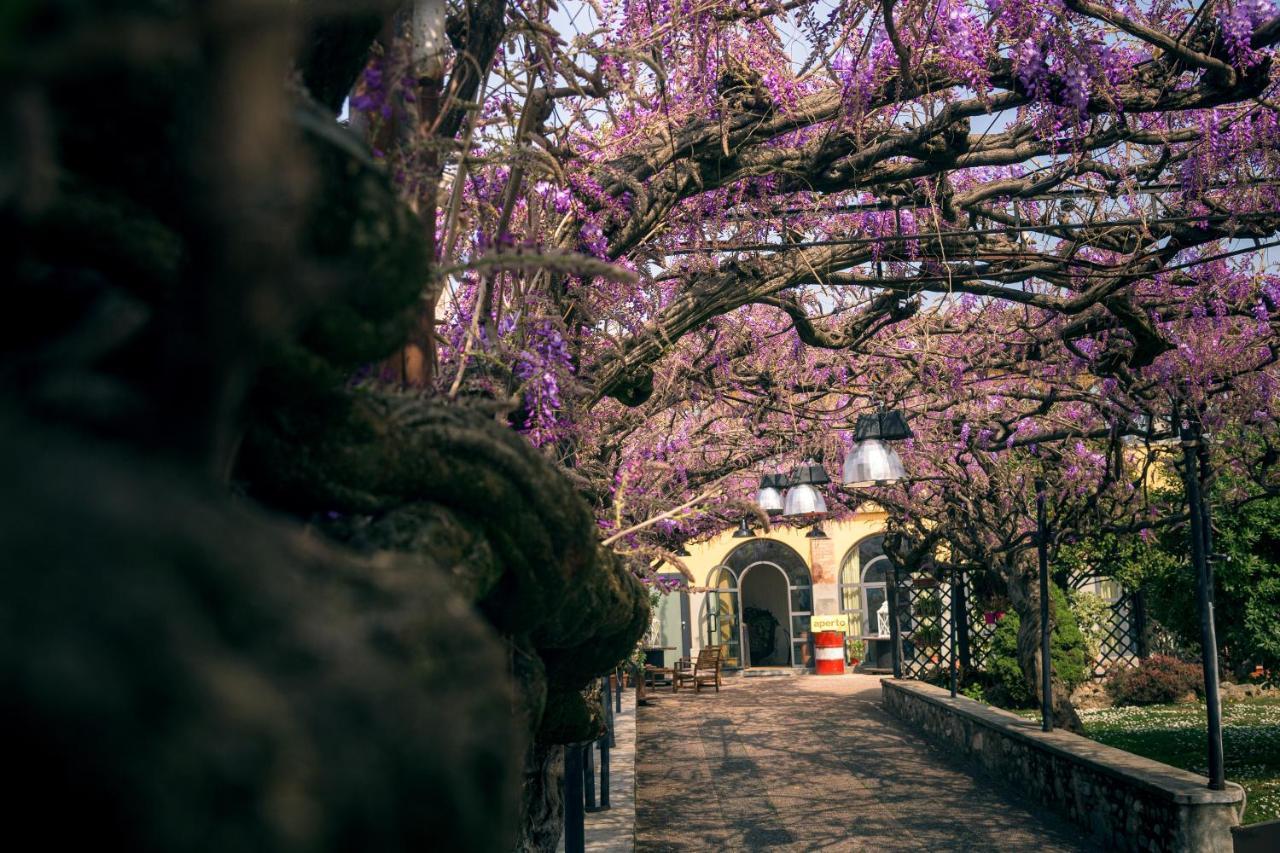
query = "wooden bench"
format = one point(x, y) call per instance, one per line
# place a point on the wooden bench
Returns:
point(705, 671)
point(653, 673)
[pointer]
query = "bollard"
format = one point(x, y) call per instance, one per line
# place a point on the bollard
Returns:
point(604, 770)
point(575, 840)
point(606, 693)
point(589, 775)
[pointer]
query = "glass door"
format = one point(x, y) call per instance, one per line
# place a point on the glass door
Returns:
point(673, 621)
point(721, 607)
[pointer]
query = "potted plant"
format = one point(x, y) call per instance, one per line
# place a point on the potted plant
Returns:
point(855, 649)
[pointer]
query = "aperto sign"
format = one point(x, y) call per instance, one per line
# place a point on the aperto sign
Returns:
point(837, 622)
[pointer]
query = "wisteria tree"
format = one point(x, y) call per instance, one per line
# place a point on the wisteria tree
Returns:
point(691, 236)
point(683, 243)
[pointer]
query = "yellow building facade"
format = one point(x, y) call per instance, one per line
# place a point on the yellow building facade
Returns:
point(757, 597)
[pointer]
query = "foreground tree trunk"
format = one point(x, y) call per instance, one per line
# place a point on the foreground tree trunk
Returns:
point(543, 799)
point(1025, 596)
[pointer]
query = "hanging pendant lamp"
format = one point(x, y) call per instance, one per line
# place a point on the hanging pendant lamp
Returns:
point(769, 497)
point(872, 461)
point(803, 498)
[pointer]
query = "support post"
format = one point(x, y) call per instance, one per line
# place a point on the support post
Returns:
point(962, 626)
point(895, 633)
point(1138, 618)
point(604, 770)
point(589, 774)
point(1046, 665)
point(574, 828)
point(1201, 543)
point(606, 702)
point(953, 620)
point(606, 740)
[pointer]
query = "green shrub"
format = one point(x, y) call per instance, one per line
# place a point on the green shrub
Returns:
point(1067, 648)
point(928, 605)
point(1092, 615)
point(1158, 680)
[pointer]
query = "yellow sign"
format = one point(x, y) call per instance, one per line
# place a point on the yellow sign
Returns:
point(836, 622)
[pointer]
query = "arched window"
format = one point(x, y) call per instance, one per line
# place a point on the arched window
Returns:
point(720, 614)
point(863, 574)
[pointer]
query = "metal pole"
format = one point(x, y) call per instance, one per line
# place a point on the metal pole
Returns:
point(1200, 543)
point(1046, 666)
point(895, 650)
point(963, 633)
point(606, 702)
point(606, 741)
point(604, 771)
point(953, 633)
point(574, 830)
point(617, 702)
point(589, 774)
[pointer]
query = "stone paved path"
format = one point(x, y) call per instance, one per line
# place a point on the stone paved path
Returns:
point(814, 763)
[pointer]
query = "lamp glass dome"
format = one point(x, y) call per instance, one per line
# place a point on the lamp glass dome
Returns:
point(769, 498)
point(872, 462)
point(804, 499)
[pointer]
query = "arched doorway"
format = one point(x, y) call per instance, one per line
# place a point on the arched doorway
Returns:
point(755, 573)
point(766, 615)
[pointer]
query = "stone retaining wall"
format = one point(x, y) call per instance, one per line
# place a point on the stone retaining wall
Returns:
point(1129, 803)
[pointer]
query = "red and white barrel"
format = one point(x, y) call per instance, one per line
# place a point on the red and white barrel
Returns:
point(828, 649)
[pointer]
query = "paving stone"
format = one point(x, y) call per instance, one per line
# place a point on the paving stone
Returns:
point(815, 763)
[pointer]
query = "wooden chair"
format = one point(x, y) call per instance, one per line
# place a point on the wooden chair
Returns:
point(705, 671)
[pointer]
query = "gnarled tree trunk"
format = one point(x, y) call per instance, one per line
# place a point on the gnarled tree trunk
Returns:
point(1025, 595)
point(543, 799)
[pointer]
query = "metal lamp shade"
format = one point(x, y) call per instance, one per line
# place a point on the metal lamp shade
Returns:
point(885, 426)
point(871, 462)
point(804, 499)
point(810, 473)
point(769, 498)
point(743, 531)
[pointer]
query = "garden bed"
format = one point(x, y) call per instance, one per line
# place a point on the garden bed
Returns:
point(1175, 734)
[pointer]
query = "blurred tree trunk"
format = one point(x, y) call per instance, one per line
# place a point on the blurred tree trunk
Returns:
point(543, 799)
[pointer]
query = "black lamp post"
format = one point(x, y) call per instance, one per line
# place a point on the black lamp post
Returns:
point(1046, 666)
point(1201, 548)
point(954, 619)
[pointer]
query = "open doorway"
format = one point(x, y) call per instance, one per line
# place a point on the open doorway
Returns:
point(766, 613)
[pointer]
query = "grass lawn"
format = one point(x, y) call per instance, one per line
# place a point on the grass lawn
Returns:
point(1175, 734)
